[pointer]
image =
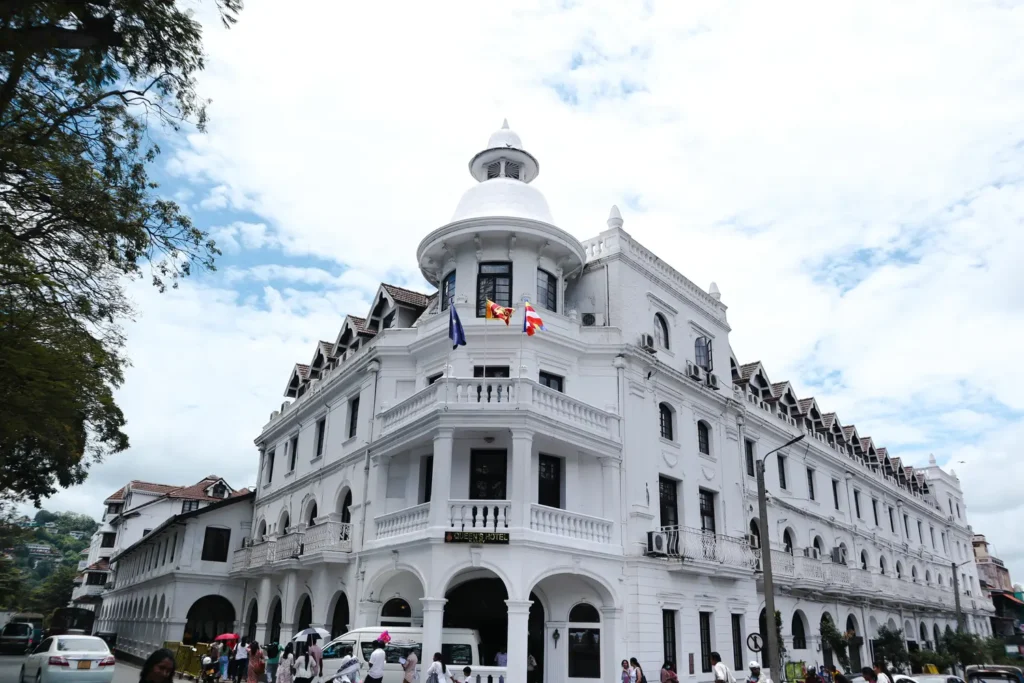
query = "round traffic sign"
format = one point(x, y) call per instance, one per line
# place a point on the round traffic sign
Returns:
point(754, 642)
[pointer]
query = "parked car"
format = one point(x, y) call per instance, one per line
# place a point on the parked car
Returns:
point(938, 678)
point(994, 673)
point(15, 637)
point(82, 659)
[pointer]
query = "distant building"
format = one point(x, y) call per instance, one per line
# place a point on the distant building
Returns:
point(76, 534)
point(50, 525)
point(40, 549)
point(994, 578)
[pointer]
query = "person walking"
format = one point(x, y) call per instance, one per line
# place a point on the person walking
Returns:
point(628, 674)
point(241, 660)
point(257, 664)
point(158, 668)
point(881, 672)
point(375, 674)
point(409, 667)
point(273, 657)
point(638, 671)
point(286, 666)
point(315, 651)
point(227, 650)
point(305, 668)
point(721, 670)
point(437, 672)
point(668, 674)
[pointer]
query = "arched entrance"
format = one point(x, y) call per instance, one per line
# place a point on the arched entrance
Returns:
point(274, 627)
point(826, 651)
point(250, 625)
point(207, 618)
point(856, 641)
point(476, 600)
point(579, 608)
point(535, 640)
point(305, 614)
point(396, 612)
point(339, 617)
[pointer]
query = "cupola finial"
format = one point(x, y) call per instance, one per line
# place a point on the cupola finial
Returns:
point(504, 124)
point(614, 218)
point(715, 293)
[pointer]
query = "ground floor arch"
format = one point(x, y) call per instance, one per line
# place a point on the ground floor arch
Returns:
point(476, 600)
point(251, 620)
point(304, 613)
point(340, 615)
point(274, 624)
point(207, 618)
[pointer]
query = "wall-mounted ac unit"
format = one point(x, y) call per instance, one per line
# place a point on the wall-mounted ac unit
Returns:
point(693, 371)
point(837, 556)
point(815, 553)
point(657, 543)
point(647, 342)
point(754, 540)
point(593, 319)
point(713, 381)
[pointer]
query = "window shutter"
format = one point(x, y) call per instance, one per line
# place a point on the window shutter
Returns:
point(493, 170)
point(711, 360)
point(511, 170)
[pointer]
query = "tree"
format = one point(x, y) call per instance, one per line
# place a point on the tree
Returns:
point(55, 591)
point(80, 82)
point(837, 642)
point(11, 583)
point(890, 647)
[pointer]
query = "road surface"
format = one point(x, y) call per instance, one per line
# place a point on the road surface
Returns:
point(10, 667)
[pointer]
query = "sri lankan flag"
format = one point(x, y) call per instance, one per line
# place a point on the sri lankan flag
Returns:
point(494, 311)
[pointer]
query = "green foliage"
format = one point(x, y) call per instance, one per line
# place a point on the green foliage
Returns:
point(940, 660)
point(836, 641)
point(969, 648)
point(12, 582)
point(890, 647)
point(55, 591)
point(79, 85)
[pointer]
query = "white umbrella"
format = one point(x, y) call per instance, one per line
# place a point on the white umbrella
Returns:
point(314, 632)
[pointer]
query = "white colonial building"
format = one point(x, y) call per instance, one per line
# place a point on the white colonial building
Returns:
point(586, 494)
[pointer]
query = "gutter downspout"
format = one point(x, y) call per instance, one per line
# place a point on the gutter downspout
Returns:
point(620, 369)
point(374, 367)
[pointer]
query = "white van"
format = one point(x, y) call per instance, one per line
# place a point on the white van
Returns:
point(460, 647)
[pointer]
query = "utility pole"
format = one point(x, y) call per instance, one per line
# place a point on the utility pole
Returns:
point(771, 638)
point(956, 596)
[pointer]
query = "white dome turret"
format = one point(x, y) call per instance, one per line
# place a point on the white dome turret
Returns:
point(504, 138)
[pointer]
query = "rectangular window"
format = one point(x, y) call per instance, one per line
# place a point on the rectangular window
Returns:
point(215, 544)
point(552, 381)
point(584, 652)
point(856, 502)
point(353, 417)
point(835, 493)
point(494, 282)
point(293, 452)
point(920, 532)
point(428, 477)
point(495, 371)
point(270, 465)
point(874, 510)
point(906, 525)
point(321, 427)
point(958, 510)
point(892, 521)
point(782, 472)
point(707, 511)
point(547, 290)
point(107, 541)
point(189, 505)
point(668, 497)
point(705, 642)
point(931, 532)
point(433, 378)
point(447, 290)
point(549, 491)
point(749, 453)
point(487, 473)
point(668, 635)
point(810, 483)
point(737, 643)
point(113, 509)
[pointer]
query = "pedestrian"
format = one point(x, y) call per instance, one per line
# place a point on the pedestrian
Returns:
point(286, 667)
point(437, 672)
point(305, 668)
point(409, 667)
point(501, 659)
point(241, 660)
point(628, 674)
point(839, 678)
point(257, 664)
point(272, 657)
point(721, 670)
point(226, 653)
point(869, 674)
point(668, 674)
point(315, 651)
point(881, 672)
point(375, 674)
point(158, 668)
point(467, 674)
point(531, 669)
point(638, 671)
point(756, 675)
point(811, 677)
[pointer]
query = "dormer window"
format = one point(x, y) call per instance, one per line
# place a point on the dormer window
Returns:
point(511, 170)
point(493, 169)
point(219, 490)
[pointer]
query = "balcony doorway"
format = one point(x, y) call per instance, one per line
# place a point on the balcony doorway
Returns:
point(488, 472)
point(478, 603)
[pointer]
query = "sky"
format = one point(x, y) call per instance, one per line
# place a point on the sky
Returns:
point(851, 174)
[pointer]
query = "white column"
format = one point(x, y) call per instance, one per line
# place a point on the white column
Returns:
point(610, 474)
point(522, 465)
point(433, 619)
point(611, 647)
point(264, 596)
point(378, 486)
point(366, 613)
point(322, 594)
point(518, 631)
point(441, 484)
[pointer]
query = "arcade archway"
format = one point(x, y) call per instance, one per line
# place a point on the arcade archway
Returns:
point(476, 600)
point(207, 618)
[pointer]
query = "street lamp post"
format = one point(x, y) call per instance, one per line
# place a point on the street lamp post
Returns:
point(770, 638)
point(956, 596)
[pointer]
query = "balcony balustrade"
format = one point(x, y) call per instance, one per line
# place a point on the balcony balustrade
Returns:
point(479, 515)
point(402, 521)
point(558, 522)
point(327, 535)
point(697, 545)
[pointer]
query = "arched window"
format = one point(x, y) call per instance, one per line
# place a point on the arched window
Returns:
point(282, 526)
point(942, 580)
point(346, 507)
point(937, 635)
point(924, 635)
point(584, 642)
point(396, 612)
point(881, 565)
point(755, 534)
point(819, 545)
point(799, 634)
point(661, 331)
point(703, 437)
point(447, 290)
point(928, 576)
point(864, 560)
point(913, 574)
point(261, 531)
point(787, 541)
point(702, 353)
point(899, 569)
point(665, 418)
point(311, 518)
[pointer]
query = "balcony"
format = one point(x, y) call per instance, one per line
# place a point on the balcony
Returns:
point(402, 522)
point(700, 549)
point(479, 515)
point(329, 539)
point(86, 591)
point(571, 525)
point(468, 397)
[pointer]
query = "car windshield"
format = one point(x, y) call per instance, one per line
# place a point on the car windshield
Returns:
point(81, 645)
point(932, 679)
point(339, 649)
point(17, 629)
point(992, 677)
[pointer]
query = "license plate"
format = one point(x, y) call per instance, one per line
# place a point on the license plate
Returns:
point(84, 664)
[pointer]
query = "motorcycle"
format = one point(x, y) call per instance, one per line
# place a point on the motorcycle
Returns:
point(209, 671)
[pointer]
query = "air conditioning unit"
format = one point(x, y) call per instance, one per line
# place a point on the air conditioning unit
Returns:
point(657, 543)
point(807, 551)
point(753, 540)
point(593, 319)
point(713, 381)
point(692, 371)
point(815, 553)
point(647, 342)
point(837, 556)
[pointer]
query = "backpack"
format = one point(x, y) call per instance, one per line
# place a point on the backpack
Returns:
point(272, 650)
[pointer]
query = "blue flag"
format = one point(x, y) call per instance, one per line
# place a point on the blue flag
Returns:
point(455, 331)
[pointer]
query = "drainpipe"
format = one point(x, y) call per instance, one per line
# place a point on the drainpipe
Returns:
point(374, 367)
point(620, 384)
point(607, 297)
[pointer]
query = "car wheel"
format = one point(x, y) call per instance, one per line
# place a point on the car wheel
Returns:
point(21, 674)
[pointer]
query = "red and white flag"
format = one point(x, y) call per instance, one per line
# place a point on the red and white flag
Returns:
point(531, 321)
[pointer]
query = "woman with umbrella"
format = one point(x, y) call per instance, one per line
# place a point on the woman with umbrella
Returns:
point(227, 641)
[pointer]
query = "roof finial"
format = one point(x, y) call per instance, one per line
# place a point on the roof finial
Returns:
point(614, 218)
point(504, 124)
point(715, 293)
point(931, 459)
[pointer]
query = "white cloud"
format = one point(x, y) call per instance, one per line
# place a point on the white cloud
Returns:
point(848, 173)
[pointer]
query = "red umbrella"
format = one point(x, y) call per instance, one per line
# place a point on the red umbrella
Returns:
point(227, 636)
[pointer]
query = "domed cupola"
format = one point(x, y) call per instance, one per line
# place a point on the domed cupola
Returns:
point(504, 172)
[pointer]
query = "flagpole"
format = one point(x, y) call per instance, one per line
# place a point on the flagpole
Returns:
point(448, 361)
point(487, 349)
point(522, 333)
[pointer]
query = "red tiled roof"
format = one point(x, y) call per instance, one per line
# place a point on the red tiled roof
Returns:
point(747, 369)
point(804, 405)
point(406, 296)
point(116, 495)
point(101, 565)
point(848, 431)
point(326, 348)
point(779, 388)
point(359, 324)
point(828, 419)
point(196, 491)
